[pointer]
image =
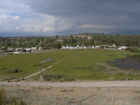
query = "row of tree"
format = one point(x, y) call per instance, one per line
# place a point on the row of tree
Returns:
point(82, 39)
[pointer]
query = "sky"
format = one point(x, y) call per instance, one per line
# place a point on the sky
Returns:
point(65, 17)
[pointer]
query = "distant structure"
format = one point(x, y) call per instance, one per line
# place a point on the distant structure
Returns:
point(122, 48)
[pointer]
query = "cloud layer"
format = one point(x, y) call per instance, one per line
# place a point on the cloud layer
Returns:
point(52, 17)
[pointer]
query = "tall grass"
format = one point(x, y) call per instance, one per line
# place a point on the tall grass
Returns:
point(5, 100)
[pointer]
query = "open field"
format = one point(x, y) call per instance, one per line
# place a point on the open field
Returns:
point(83, 66)
point(67, 65)
point(39, 95)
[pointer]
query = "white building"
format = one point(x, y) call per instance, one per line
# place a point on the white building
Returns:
point(33, 48)
point(28, 49)
point(98, 46)
point(16, 52)
point(122, 47)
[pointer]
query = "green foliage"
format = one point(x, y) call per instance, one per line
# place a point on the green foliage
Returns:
point(134, 49)
point(56, 42)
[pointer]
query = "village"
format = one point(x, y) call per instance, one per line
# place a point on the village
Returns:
point(36, 49)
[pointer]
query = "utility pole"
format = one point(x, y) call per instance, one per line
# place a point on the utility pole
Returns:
point(41, 77)
point(43, 61)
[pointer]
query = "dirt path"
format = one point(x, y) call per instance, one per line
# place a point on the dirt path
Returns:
point(76, 84)
point(36, 73)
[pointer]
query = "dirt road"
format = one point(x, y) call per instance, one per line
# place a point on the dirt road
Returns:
point(76, 84)
point(75, 93)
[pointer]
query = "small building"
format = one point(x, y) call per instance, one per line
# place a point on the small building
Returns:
point(93, 46)
point(63, 47)
point(122, 47)
point(98, 46)
point(16, 52)
point(28, 49)
point(40, 48)
point(114, 46)
point(33, 48)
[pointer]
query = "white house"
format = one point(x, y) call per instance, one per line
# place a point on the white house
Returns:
point(40, 48)
point(98, 46)
point(114, 46)
point(16, 52)
point(28, 49)
point(63, 47)
point(122, 47)
point(33, 48)
point(93, 46)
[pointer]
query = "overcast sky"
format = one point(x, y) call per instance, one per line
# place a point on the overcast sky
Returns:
point(64, 17)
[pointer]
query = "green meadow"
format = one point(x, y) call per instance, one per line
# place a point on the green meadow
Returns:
point(76, 65)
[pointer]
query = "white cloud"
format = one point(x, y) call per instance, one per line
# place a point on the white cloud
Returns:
point(8, 23)
point(15, 23)
point(41, 23)
point(8, 17)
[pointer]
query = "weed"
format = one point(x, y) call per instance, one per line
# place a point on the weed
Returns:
point(4, 100)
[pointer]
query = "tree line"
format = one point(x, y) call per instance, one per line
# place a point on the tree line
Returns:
point(81, 39)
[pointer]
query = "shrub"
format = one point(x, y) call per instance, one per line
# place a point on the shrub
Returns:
point(14, 70)
point(49, 77)
point(134, 49)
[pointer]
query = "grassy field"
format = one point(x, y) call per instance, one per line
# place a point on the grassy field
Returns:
point(77, 65)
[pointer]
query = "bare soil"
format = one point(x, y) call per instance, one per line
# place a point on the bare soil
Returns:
point(75, 84)
point(76, 93)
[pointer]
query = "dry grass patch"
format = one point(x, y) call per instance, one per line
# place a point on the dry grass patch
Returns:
point(76, 95)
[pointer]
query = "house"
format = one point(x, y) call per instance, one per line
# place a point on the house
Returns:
point(93, 46)
point(122, 47)
point(10, 49)
point(40, 48)
point(63, 47)
point(98, 46)
point(16, 52)
point(114, 46)
point(17, 49)
point(33, 48)
point(28, 49)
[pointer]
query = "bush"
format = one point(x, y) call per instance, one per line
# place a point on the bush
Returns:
point(15, 70)
point(49, 77)
point(134, 49)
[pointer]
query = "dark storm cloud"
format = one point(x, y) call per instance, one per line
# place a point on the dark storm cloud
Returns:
point(124, 14)
point(70, 8)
